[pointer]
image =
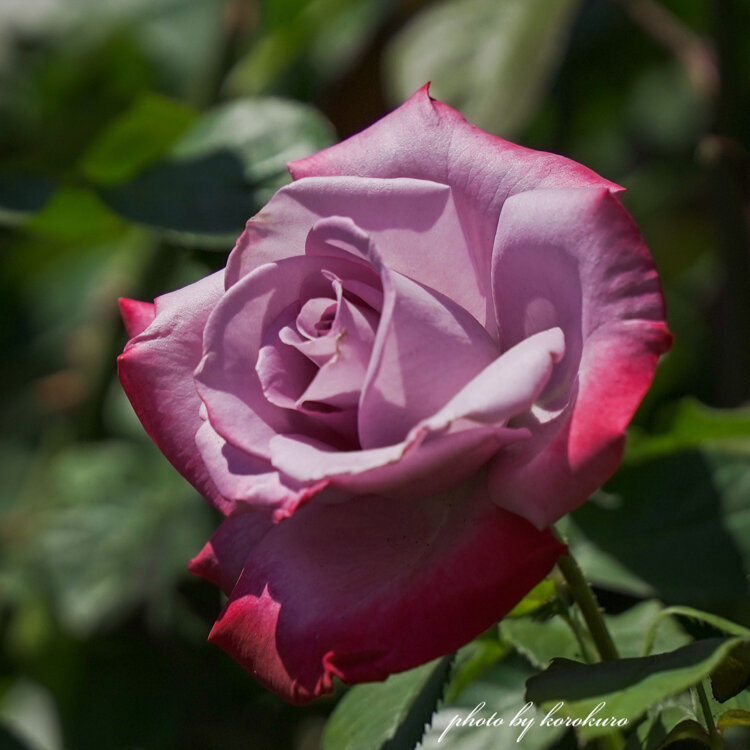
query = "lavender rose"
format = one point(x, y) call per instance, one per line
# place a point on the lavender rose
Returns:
point(421, 353)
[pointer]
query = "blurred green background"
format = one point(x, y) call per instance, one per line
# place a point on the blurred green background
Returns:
point(137, 136)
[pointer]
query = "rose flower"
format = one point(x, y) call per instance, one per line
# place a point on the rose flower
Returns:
point(421, 353)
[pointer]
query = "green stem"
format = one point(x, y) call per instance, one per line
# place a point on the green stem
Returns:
point(587, 603)
point(715, 738)
point(584, 597)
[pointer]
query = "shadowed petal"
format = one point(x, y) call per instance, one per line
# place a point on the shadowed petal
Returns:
point(156, 372)
point(375, 586)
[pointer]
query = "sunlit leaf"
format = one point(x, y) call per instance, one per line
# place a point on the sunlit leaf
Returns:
point(498, 694)
point(543, 593)
point(388, 715)
point(491, 59)
point(136, 139)
point(626, 687)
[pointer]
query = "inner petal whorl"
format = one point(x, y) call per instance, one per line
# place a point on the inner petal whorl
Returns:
point(316, 317)
point(315, 355)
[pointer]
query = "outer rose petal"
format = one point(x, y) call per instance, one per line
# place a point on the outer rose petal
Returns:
point(376, 586)
point(137, 316)
point(222, 559)
point(427, 140)
point(156, 372)
point(615, 323)
point(414, 223)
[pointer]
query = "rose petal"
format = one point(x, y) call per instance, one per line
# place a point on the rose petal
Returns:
point(431, 457)
point(226, 378)
point(401, 386)
point(427, 140)
point(156, 372)
point(579, 252)
point(222, 559)
point(414, 223)
point(376, 586)
point(339, 381)
point(426, 349)
point(248, 481)
point(137, 316)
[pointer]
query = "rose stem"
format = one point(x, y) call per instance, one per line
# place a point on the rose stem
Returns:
point(584, 597)
point(587, 603)
point(715, 739)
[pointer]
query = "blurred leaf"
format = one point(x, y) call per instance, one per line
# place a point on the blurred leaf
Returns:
point(30, 713)
point(687, 735)
point(9, 741)
point(732, 676)
point(76, 215)
point(324, 34)
point(650, 733)
point(106, 526)
point(733, 718)
point(222, 171)
point(497, 694)
point(659, 521)
point(490, 59)
point(664, 111)
point(388, 715)
point(21, 195)
point(201, 201)
point(136, 139)
point(65, 94)
point(627, 687)
point(543, 593)
point(265, 134)
point(693, 425)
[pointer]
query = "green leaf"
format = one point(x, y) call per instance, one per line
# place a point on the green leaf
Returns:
point(651, 533)
point(200, 201)
point(264, 133)
point(497, 695)
point(323, 35)
point(108, 526)
point(543, 593)
point(734, 718)
point(22, 195)
point(76, 215)
point(136, 139)
point(491, 59)
point(222, 171)
point(630, 630)
point(732, 676)
point(388, 715)
point(472, 660)
point(693, 425)
point(543, 640)
point(627, 687)
point(650, 733)
point(666, 616)
point(687, 735)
